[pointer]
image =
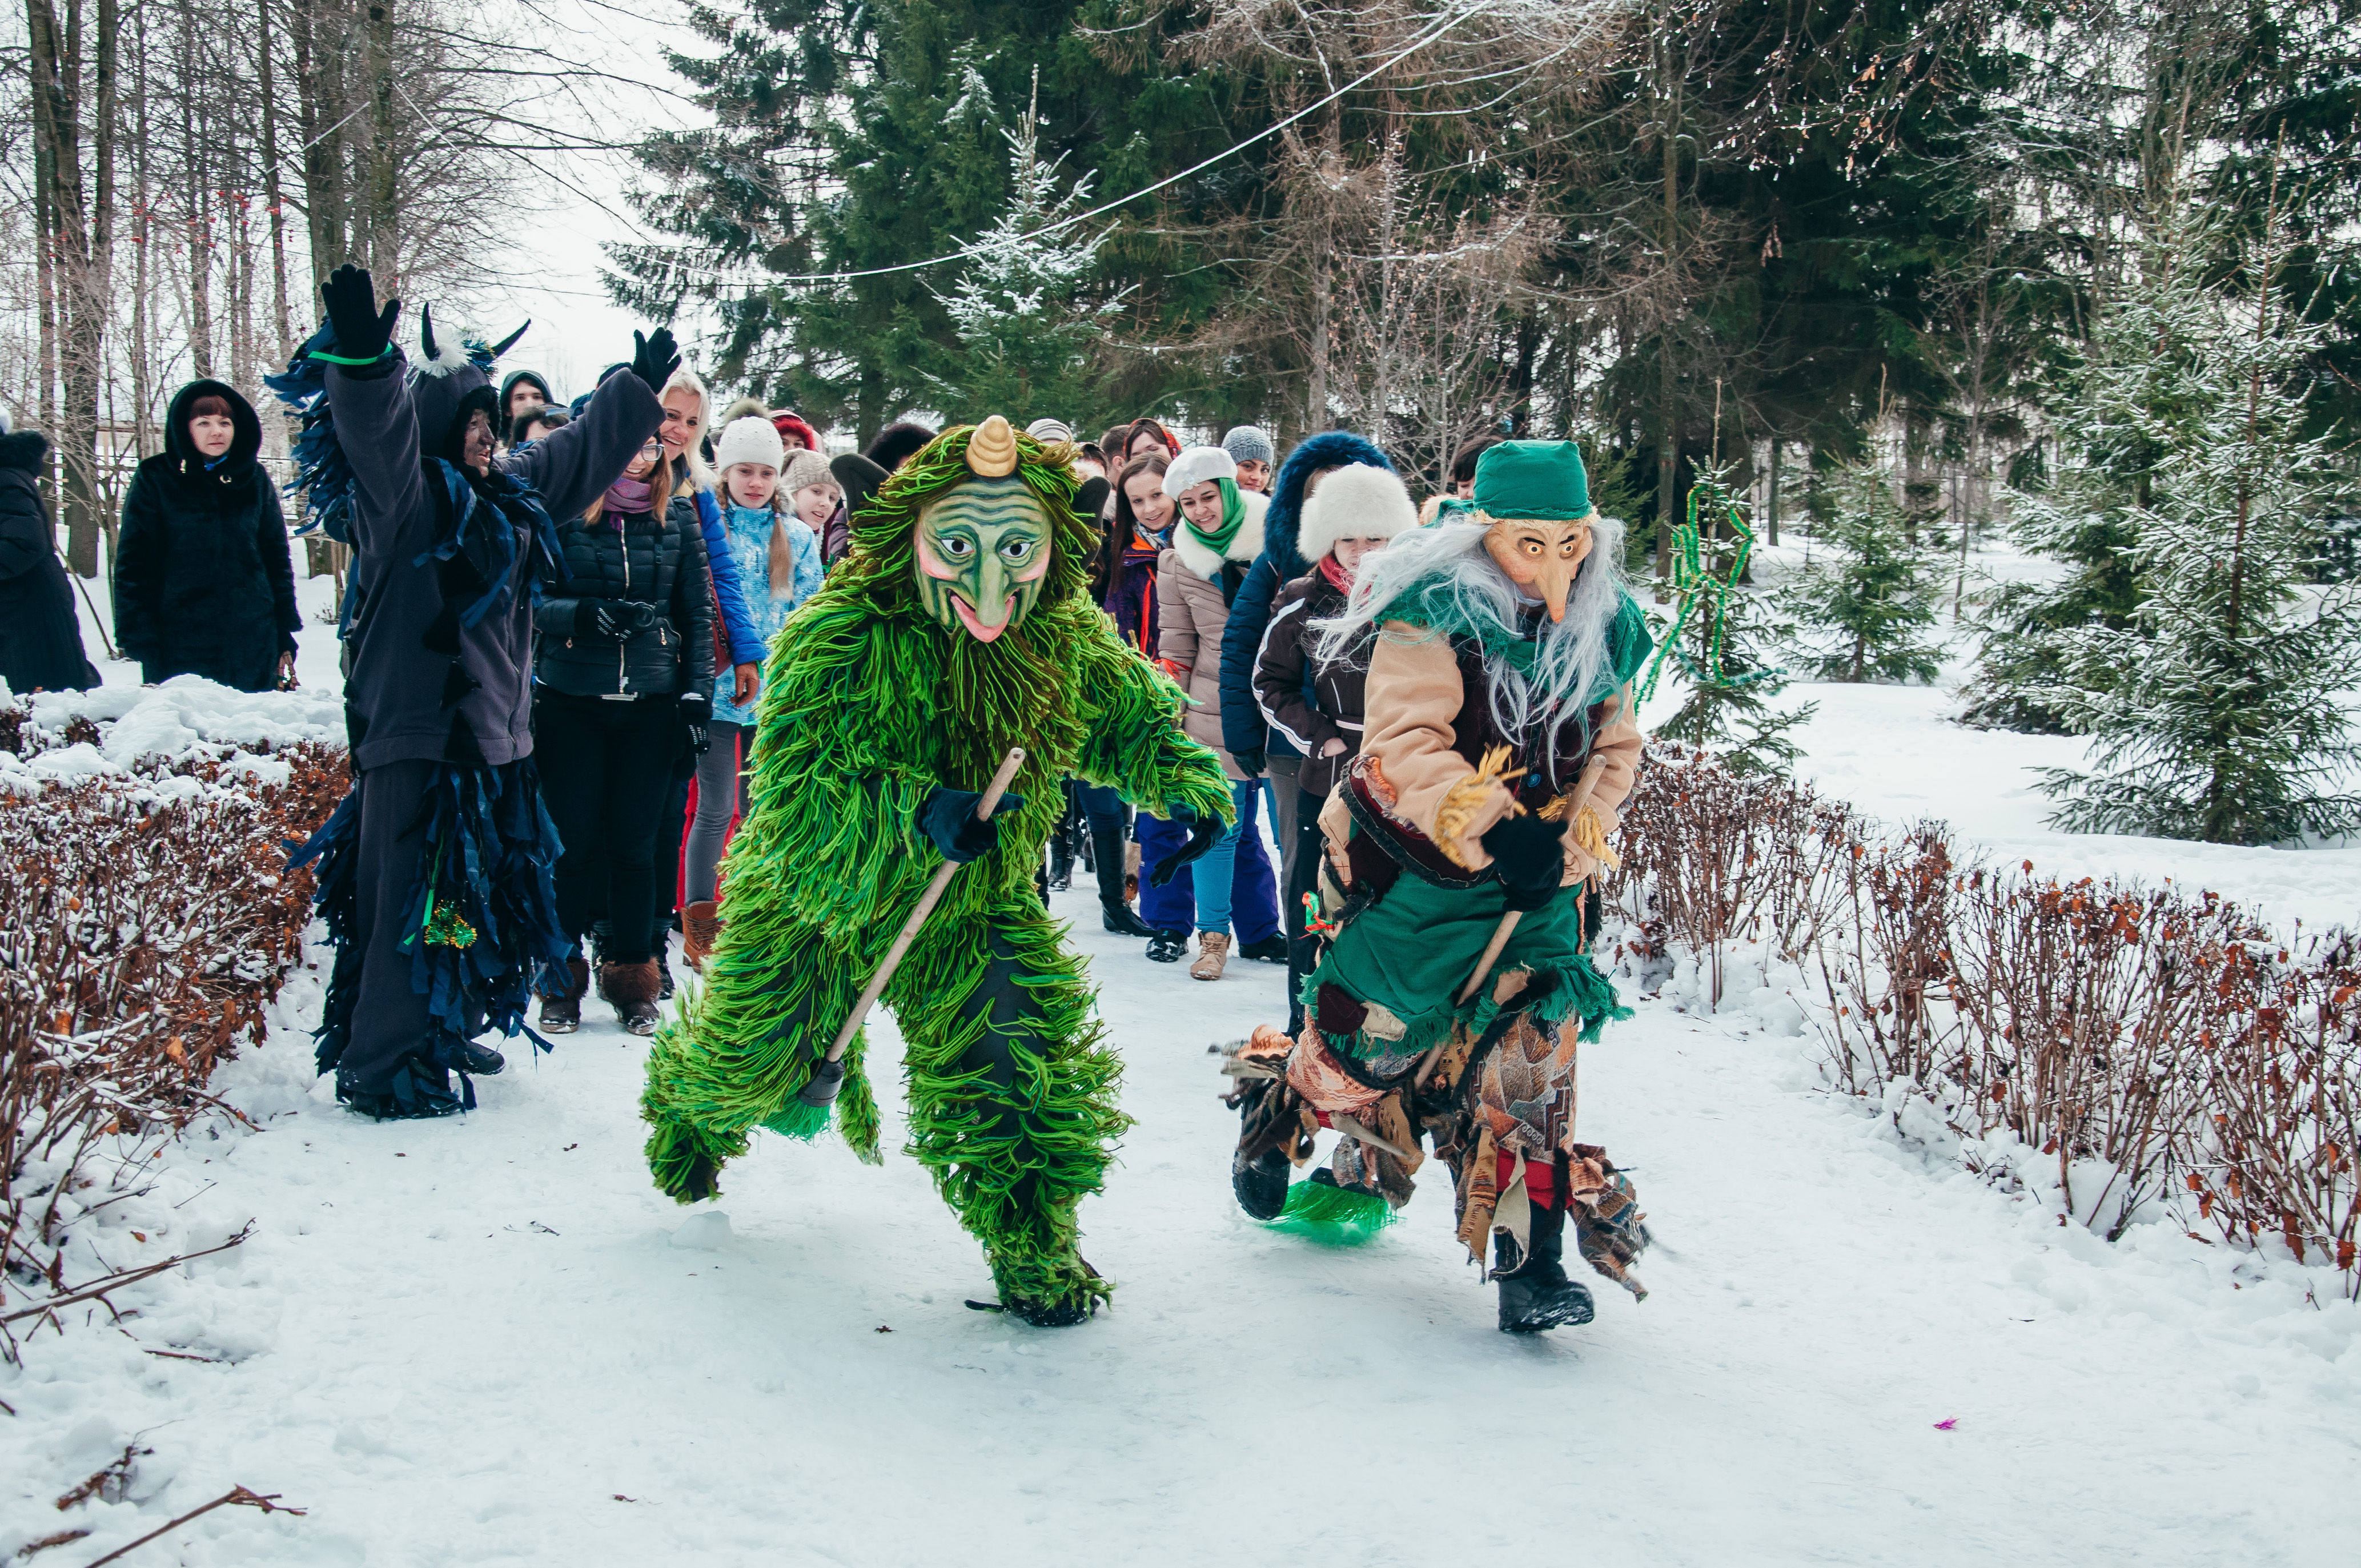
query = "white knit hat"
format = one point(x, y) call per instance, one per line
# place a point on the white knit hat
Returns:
point(1049, 431)
point(749, 439)
point(1360, 501)
point(1195, 465)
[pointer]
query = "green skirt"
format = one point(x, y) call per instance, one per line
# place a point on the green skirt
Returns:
point(1410, 953)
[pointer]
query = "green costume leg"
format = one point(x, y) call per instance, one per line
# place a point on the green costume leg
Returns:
point(743, 1046)
point(1012, 1097)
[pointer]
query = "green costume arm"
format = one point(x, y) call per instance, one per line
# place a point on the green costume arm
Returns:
point(1135, 744)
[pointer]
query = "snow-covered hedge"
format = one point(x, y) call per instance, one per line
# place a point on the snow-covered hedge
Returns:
point(146, 920)
point(2146, 1052)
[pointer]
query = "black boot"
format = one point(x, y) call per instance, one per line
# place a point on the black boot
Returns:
point(1260, 1184)
point(1535, 1294)
point(1107, 848)
point(1271, 949)
point(1167, 947)
point(467, 1056)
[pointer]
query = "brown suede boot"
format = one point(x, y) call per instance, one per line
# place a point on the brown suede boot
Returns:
point(701, 928)
point(634, 989)
point(1213, 954)
point(561, 1012)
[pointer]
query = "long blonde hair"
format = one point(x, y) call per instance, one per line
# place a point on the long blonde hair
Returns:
point(673, 476)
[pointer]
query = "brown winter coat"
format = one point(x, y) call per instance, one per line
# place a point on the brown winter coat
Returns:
point(1288, 666)
point(1193, 590)
point(1416, 691)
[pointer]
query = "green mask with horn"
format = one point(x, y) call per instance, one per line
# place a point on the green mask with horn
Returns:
point(982, 552)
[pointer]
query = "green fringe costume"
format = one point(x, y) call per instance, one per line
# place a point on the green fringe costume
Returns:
point(868, 703)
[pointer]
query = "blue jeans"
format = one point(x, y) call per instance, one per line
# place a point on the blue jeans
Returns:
point(1233, 885)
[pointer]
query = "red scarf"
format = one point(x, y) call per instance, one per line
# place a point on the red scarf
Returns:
point(1339, 578)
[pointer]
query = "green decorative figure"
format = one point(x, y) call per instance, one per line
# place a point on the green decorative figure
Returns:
point(959, 626)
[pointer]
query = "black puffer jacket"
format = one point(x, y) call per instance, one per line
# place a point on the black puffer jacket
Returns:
point(40, 640)
point(659, 564)
point(1310, 700)
point(203, 584)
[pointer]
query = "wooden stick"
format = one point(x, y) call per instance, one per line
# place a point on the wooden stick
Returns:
point(1500, 934)
point(1353, 1128)
point(927, 902)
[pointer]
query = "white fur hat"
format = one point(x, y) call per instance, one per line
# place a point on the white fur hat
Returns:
point(749, 439)
point(1195, 465)
point(1360, 501)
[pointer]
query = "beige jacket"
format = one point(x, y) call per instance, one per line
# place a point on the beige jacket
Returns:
point(1189, 615)
point(1414, 694)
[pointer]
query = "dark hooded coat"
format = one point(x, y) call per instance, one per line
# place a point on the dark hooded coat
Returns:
point(40, 640)
point(1243, 726)
point(204, 582)
point(426, 686)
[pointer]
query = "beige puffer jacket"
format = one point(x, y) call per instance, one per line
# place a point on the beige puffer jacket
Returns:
point(1193, 590)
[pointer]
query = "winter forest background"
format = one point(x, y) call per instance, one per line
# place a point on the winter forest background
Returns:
point(1978, 379)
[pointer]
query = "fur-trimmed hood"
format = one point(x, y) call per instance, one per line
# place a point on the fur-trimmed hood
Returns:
point(1243, 546)
point(1283, 522)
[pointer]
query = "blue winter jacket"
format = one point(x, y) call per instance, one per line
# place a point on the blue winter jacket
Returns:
point(749, 548)
point(1243, 727)
point(738, 622)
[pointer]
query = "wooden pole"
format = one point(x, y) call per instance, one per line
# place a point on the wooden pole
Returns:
point(824, 1083)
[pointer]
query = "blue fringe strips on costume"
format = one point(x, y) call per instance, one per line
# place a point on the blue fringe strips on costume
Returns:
point(479, 921)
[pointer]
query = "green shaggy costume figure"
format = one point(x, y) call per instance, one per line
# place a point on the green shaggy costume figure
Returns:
point(959, 626)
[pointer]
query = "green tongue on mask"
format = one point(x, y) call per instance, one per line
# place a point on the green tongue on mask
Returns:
point(982, 552)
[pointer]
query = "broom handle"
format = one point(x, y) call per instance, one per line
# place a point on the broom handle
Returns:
point(927, 902)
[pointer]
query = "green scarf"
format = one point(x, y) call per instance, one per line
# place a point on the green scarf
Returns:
point(1234, 516)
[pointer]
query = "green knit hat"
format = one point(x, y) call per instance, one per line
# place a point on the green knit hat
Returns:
point(1534, 478)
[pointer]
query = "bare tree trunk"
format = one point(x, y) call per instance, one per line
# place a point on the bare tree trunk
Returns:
point(264, 50)
point(73, 242)
point(1771, 508)
point(383, 248)
point(1668, 385)
point(193, 194)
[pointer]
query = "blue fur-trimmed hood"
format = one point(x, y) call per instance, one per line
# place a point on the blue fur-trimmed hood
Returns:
point(1283, 523)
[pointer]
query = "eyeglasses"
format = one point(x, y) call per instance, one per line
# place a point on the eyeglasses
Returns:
point(652, 449)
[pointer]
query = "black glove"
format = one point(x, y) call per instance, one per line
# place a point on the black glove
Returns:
point(697, 712)
point(653, 360)
point(858, 478)
point(1529, 855)
point(1203, 832)
point(948, 817)
point(362, 330)
point(614, 619)
point(1253, 763)
point(1091, 499)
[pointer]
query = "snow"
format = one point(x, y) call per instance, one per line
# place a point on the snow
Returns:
point(489, 1341)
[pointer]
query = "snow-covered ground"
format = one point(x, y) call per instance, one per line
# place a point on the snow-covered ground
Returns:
point(489, 1341)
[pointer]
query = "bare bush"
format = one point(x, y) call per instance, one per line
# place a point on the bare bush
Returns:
point(2149, 1045)
point(140, 941)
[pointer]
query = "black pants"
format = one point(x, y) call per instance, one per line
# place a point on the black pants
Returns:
point(1302, 877)
point(606, 771)
point(391, 1026)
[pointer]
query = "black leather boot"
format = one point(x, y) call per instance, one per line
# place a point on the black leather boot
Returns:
point(1260, 1184)
point(1535, 1294)
point(1107, 848)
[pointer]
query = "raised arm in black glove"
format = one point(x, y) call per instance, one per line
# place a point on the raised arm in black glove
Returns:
point(653, 360)
point(362, 330)
point(1251, 763)
point(613, 620)
point(1529, 855)
point(1203, 832)
point(696, 713)
point(948, 817)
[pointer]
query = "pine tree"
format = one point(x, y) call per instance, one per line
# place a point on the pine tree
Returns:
point(1870, 608)
point(1028, 338)
point(1717, 647)
point(2218, 712)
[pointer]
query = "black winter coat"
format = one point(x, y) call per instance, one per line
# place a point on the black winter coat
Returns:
point(659, 562)
point(41, 639)
point(204, 582)
point(1310, 700)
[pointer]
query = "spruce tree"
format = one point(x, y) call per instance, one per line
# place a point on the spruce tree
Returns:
point(1717, 645)
point(1866, 612)
point(2218, 712)
point(1028, 338)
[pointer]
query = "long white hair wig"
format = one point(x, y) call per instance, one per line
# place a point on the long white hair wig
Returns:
point(1573, 655)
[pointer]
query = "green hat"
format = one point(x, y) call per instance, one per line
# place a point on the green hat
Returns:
point(1534, 478)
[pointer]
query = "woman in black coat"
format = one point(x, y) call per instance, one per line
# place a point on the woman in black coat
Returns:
point(623, 678)
point(203, 584)
point(40, 641)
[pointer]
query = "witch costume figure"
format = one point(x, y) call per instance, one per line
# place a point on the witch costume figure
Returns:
point(1461, 851)
point(959, 627)
point(435, 872)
